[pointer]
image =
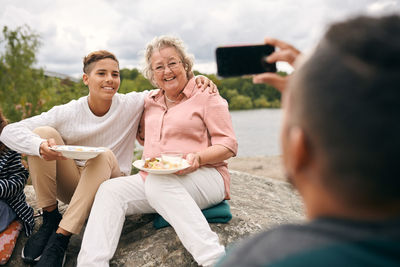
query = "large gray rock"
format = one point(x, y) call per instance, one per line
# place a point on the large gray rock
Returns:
point(257, 203)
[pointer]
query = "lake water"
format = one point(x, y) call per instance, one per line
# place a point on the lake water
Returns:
point(257, 131)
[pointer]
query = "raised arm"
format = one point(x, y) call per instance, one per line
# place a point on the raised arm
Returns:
point(285, 52)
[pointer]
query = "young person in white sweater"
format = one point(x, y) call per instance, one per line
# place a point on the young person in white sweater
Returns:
point(103, 118)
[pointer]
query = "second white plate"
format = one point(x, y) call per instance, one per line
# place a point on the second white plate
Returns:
point(140, 163)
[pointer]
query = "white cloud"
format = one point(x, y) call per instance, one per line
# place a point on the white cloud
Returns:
point(72, 29)
point(384, 6)
point(205, 67)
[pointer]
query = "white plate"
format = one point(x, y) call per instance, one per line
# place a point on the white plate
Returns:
point(79, 152)
point(140, 163)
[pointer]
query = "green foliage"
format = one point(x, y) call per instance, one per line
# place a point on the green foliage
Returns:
point(20, 84)
point(25, 91)
point(240, 92)
point(241, 102)
point(256, 95)
point(261, 102)
point(58, 92)
point(138, 84)
point(128, 74)
point(275, 103)
point(229, 93)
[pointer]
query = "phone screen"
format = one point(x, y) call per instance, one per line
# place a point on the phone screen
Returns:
point(244, 60)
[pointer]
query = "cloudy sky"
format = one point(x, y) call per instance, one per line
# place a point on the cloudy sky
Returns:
point(71, 29)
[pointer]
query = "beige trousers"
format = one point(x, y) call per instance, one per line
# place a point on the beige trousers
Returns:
point(72, 184)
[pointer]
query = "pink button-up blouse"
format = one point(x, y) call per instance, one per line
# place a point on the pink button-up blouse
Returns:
point(200, 120)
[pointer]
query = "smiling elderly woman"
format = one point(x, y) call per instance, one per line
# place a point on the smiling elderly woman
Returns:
point(177, 117)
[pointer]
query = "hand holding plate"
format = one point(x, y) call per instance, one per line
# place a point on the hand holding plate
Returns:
point(47, 154)
point(194, 161)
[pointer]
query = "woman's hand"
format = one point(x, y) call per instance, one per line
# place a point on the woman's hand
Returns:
point(286, 53)
point(203, 82)
point(194, 161)
point(47, 153)
point(211, 155)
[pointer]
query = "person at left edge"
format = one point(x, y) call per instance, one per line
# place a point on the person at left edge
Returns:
point(13, 205)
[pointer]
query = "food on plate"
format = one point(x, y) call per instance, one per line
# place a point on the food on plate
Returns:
point(157, 164)
point(153, 163)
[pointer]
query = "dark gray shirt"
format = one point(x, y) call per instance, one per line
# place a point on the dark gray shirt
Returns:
point(322, 242)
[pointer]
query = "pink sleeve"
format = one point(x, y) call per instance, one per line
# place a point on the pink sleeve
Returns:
point(219, 124)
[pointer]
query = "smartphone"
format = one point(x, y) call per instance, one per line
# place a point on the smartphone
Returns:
point(243, 60)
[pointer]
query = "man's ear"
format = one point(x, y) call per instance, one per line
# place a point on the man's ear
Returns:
point(85, 79)
point(301, 153)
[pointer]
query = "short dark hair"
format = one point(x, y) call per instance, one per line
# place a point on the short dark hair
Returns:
point(349, 95)
point(96, 56)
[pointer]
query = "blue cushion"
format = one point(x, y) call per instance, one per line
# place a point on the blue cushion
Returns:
point(7, 215)
point(220, 213)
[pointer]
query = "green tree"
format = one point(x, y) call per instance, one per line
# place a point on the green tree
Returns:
point(241, 102)
point(261, 95)
point(139, 84)
point(24, 90)
point(228, 94)
point(20, 84)
point(261, 102)
point(275, 104)
point(56, 92)
point(128, 74)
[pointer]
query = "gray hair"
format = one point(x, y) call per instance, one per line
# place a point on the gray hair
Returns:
point(161, 42)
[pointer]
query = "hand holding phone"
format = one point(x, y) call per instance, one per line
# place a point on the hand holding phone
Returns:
point(244, 60)
point(285, 53)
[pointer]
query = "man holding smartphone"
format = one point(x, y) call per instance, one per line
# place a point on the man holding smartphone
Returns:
point(340, 143)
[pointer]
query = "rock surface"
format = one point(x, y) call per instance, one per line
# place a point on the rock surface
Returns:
point(257, 203)
point(263, 166)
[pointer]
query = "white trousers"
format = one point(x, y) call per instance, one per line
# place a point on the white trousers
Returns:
point(179, 199)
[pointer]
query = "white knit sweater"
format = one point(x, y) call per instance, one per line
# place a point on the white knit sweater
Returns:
point(77, 125)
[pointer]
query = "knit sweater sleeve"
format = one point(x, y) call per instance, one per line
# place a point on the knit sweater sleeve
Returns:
point(19, 136)
point(13, 175)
